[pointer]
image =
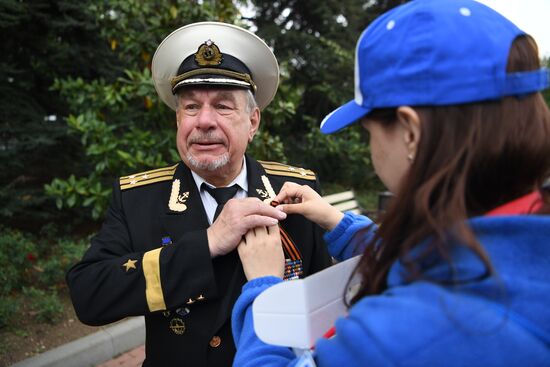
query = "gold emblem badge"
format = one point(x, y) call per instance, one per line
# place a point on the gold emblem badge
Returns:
point(177, 201)
point(208, 54)
point(268, 189)
point(177, 326)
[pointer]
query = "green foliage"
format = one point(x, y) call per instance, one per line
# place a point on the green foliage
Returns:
point(33, 267)
point(315, 43)
point(348, 151)
point(45, 305)
point(52, 266)
point(17, 253)
point(9, 306)
point(42, 40)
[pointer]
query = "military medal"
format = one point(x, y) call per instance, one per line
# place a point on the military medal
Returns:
point(177, 326)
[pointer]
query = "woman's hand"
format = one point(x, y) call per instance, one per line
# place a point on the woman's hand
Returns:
point(302, 199)
point(261, 253)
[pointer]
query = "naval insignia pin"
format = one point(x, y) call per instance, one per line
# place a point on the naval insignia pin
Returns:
point(177, 326)
point(269, 189)
point(166, 241)
point(177, 201)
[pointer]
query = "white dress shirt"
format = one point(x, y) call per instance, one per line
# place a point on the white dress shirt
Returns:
point(209, 202)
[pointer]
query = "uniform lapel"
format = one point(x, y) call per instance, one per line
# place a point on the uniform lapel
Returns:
point(184, 210)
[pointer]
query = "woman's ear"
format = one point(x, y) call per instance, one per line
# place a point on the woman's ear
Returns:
point(409, 120)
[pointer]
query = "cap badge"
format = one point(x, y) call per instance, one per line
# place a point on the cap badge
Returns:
point(208, 54)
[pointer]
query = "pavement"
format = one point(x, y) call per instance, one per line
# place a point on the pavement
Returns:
point(120, 345)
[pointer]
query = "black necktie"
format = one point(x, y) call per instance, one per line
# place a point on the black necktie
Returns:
point(222, 196)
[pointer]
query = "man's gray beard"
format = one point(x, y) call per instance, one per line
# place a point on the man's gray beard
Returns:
point(208, 166)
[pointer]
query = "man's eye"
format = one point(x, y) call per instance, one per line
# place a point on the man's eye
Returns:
point(222, 106)
point(191, 107)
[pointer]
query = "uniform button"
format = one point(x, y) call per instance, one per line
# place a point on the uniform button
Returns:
point(215, 341)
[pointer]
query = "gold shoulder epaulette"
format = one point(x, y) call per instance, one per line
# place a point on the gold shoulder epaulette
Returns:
point(148, 177)
point(280, 169)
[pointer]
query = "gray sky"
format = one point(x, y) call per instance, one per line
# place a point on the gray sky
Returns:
point(532, 16)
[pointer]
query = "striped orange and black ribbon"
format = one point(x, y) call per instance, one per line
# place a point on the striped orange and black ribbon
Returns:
point(290, 249)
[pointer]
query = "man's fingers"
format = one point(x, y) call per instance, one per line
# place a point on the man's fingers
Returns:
point(291, 208)
point(253, 206)
point(253, 221)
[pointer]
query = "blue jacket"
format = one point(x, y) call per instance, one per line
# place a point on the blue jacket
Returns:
point(499, 321)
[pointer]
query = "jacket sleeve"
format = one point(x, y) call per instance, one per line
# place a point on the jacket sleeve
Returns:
point(115, 280)
point(350, 236)
point(321, 258)
point(251, 351)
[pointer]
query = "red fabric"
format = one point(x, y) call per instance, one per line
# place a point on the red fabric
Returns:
point(524, 205)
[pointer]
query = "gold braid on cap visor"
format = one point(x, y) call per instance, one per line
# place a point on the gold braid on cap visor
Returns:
point(175, 81)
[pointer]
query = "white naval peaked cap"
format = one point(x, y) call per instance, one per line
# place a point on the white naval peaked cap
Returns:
point(214, 53)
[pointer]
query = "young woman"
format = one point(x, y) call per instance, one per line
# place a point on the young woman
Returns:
point(459, 272)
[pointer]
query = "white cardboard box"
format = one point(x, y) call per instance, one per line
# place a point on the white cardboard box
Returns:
point(298, 312)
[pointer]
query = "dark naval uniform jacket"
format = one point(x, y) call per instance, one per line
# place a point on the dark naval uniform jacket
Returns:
point(151, 258)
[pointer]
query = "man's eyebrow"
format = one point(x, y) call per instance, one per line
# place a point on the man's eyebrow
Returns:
point(227, 95)
point(187, 94)
point(222, 94)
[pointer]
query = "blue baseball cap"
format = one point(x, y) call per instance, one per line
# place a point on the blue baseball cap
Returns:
point(434, 52)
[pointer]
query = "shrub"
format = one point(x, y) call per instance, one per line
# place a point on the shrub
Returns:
point(8, 308)
point(18, 255)
point(62, 255)
point(45, 305)
point(32, 268)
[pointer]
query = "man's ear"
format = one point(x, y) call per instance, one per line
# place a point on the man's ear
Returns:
point(254, 123)
point(409, 120)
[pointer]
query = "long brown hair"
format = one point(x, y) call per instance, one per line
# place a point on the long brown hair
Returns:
point(471, 158)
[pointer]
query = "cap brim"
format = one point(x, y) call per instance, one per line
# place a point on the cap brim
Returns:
point(233, 40)
point(342, 117)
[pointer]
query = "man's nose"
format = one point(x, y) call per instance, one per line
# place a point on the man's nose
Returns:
point(206, 118)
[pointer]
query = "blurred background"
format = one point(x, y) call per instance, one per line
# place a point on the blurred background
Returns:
point(78, 109)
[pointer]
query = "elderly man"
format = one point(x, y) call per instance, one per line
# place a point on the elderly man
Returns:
point(167, 247)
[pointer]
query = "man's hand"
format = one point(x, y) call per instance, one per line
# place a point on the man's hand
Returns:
point(236, 219)
point(261, 253)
